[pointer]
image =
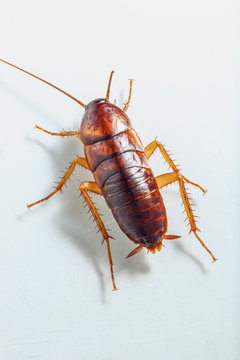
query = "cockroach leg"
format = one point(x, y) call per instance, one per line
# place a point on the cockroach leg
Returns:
point(129, 96)
point(149, 150)
point(78, 161)
point(194, 184)
point(62, 133)
point(190, 215)
point(89, 186)
point(166, 179)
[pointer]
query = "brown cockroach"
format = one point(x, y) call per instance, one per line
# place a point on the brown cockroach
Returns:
point(119, 163)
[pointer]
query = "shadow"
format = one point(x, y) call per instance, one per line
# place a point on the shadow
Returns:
point(73, 221)
point(72, 218)
point(53, 154)
point(183, 250)
point(18, 96)
point(50, 152)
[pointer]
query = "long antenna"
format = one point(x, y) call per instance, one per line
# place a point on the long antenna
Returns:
point(109, 85)
point(46, 82)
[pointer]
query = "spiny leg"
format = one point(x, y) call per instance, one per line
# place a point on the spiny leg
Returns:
point(190, 216)
point(129, 96)
point(92, 187)
point(61, 133)
point(166, 179)
point(149, 150)
point(78, 161)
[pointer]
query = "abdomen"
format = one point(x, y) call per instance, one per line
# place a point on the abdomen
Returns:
point(123, 174)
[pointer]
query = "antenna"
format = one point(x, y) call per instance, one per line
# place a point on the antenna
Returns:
point(46, 82)
point(109, 85)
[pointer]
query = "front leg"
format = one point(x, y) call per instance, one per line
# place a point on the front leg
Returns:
point(61, 133)
point(166, 179)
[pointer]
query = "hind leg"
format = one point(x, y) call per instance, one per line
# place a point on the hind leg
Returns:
point(166, 179)
point(89, 186)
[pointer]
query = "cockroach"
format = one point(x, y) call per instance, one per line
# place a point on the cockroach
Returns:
point(119, 163)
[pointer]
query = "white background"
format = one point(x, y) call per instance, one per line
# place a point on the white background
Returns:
point(55, 288)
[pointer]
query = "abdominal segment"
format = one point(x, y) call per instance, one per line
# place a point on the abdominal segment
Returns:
point(138, 208)
point(122, 172)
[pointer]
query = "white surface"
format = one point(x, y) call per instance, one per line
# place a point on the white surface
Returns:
point(56, 300)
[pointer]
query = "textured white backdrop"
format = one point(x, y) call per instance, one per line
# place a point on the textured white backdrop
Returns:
point(55, 288)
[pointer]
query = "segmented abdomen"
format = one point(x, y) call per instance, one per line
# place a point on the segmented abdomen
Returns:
point(122, 172)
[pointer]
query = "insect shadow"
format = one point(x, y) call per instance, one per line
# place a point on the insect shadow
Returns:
point(184, 251)
point(26, 102)
point(70, 224)
point(73, 220)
